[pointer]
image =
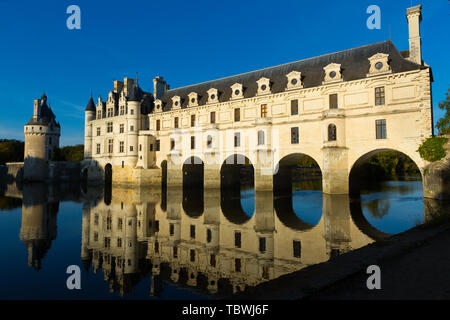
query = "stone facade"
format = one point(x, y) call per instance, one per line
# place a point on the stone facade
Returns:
point(338, 109)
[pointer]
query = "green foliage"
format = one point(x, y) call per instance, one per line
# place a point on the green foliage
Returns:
point(443, 124)
point(307, 162)
point(69, 153)
point(432, 149)
point(11, 151)
point(388, 165)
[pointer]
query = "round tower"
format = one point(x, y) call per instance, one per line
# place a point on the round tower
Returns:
point(42, 134)
point(89, 115)
point(134, 110)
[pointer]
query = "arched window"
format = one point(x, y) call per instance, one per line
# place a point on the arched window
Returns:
point(331, 132)
point(209, 142)
point(260, 137)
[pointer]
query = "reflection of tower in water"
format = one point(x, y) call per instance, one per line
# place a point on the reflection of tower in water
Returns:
point(38, 227)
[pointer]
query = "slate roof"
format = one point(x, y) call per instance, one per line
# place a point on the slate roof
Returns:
point(354, 63)
point(47, 117)
point(91, 105)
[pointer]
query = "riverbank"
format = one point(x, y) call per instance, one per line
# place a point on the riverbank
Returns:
point(414, 265)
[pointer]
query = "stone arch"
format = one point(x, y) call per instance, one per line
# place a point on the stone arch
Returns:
point(282, 180)
point(354, 170)
point(236, 170)
point(232, 209)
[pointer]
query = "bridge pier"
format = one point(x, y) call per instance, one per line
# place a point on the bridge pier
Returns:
point(335, 173)
point(174, 170)
point(211, 176)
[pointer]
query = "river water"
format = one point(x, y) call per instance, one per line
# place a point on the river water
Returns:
point(170, 243)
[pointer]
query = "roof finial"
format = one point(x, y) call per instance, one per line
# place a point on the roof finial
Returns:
point(136, 78)
point(91, 93)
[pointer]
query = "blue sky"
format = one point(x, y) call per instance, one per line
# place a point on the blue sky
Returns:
point(185, 42)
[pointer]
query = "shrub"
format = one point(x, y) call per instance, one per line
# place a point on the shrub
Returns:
point(432, 149)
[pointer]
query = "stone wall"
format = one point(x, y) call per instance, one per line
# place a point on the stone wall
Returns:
point(64, 171)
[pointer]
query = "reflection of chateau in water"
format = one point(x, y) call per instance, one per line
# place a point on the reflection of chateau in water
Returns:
point(214, 247)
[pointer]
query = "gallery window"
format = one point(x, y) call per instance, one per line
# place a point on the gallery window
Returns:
point(380, 129)
point(237, 139)
point(213, 117)
point(294, 107)
point(333, 101)
point(237, 114)
point(379, 96)
point(263, 110)
point(294, 135)
point(331, 132)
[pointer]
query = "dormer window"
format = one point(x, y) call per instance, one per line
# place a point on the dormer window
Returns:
point(193, 99)
point(263, 86)
point(158, 105)
point(294, 80)
point(176, 102)
point(332, 73)
point(213, 95)
point(237, 91)
point(379, 64)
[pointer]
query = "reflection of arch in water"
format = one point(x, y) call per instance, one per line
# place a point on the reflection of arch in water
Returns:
point(361, 222)
point(355, 181)
point(108, 174)
point(237, 170)
point(231, 205)
point(286, 214)
point(164, 173)
point(299, 169)
point(193, 203)
point(193, 171)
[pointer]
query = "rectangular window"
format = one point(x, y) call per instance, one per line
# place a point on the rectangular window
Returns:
point(131, 128)
point(297, 247)
point(209, 142)
point(294, 135)
point(99, 114)
point(121, 147)
point(122, 110)
point(171, 229)
point(379, 96)
point(263, 110)
point(131, 148)
point(151, 146)
point(213, 117)
point(294, 107)
point(172, 144)
point(158, 125)
point(192, 142)
point(110, 112)
point(98, 131)
point(121, 128)
point(119, 224)
point(157, 145)
point(110, 145)
point(333, 101)
point(119, 242)
point(192, 254)
point(156, 225)
point(131, 111)
point(156, 247)
point(175, 122)
point(98, 148)
point(212, 260)
point(237, 139)
point(237, 265)
point(109, 127)
point(381, 129)
point(237, 114)
point(260, 138)
point(192, 231)
point(237, 239)
point(175, 252)
point(208, 235)
point(192, 120)
point(262, 244)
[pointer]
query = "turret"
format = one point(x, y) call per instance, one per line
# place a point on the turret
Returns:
point(89, 115)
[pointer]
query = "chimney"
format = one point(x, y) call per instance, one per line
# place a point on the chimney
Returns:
point(159, 87)
point(118, 85)
point(414, 16)
point(36, 110)
point(128, 85)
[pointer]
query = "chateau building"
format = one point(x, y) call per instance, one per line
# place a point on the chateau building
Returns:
point(339, 109)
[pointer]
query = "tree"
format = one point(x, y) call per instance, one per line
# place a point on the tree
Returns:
point(443, 124)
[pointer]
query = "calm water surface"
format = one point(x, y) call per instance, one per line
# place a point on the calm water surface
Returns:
point(183, 244)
